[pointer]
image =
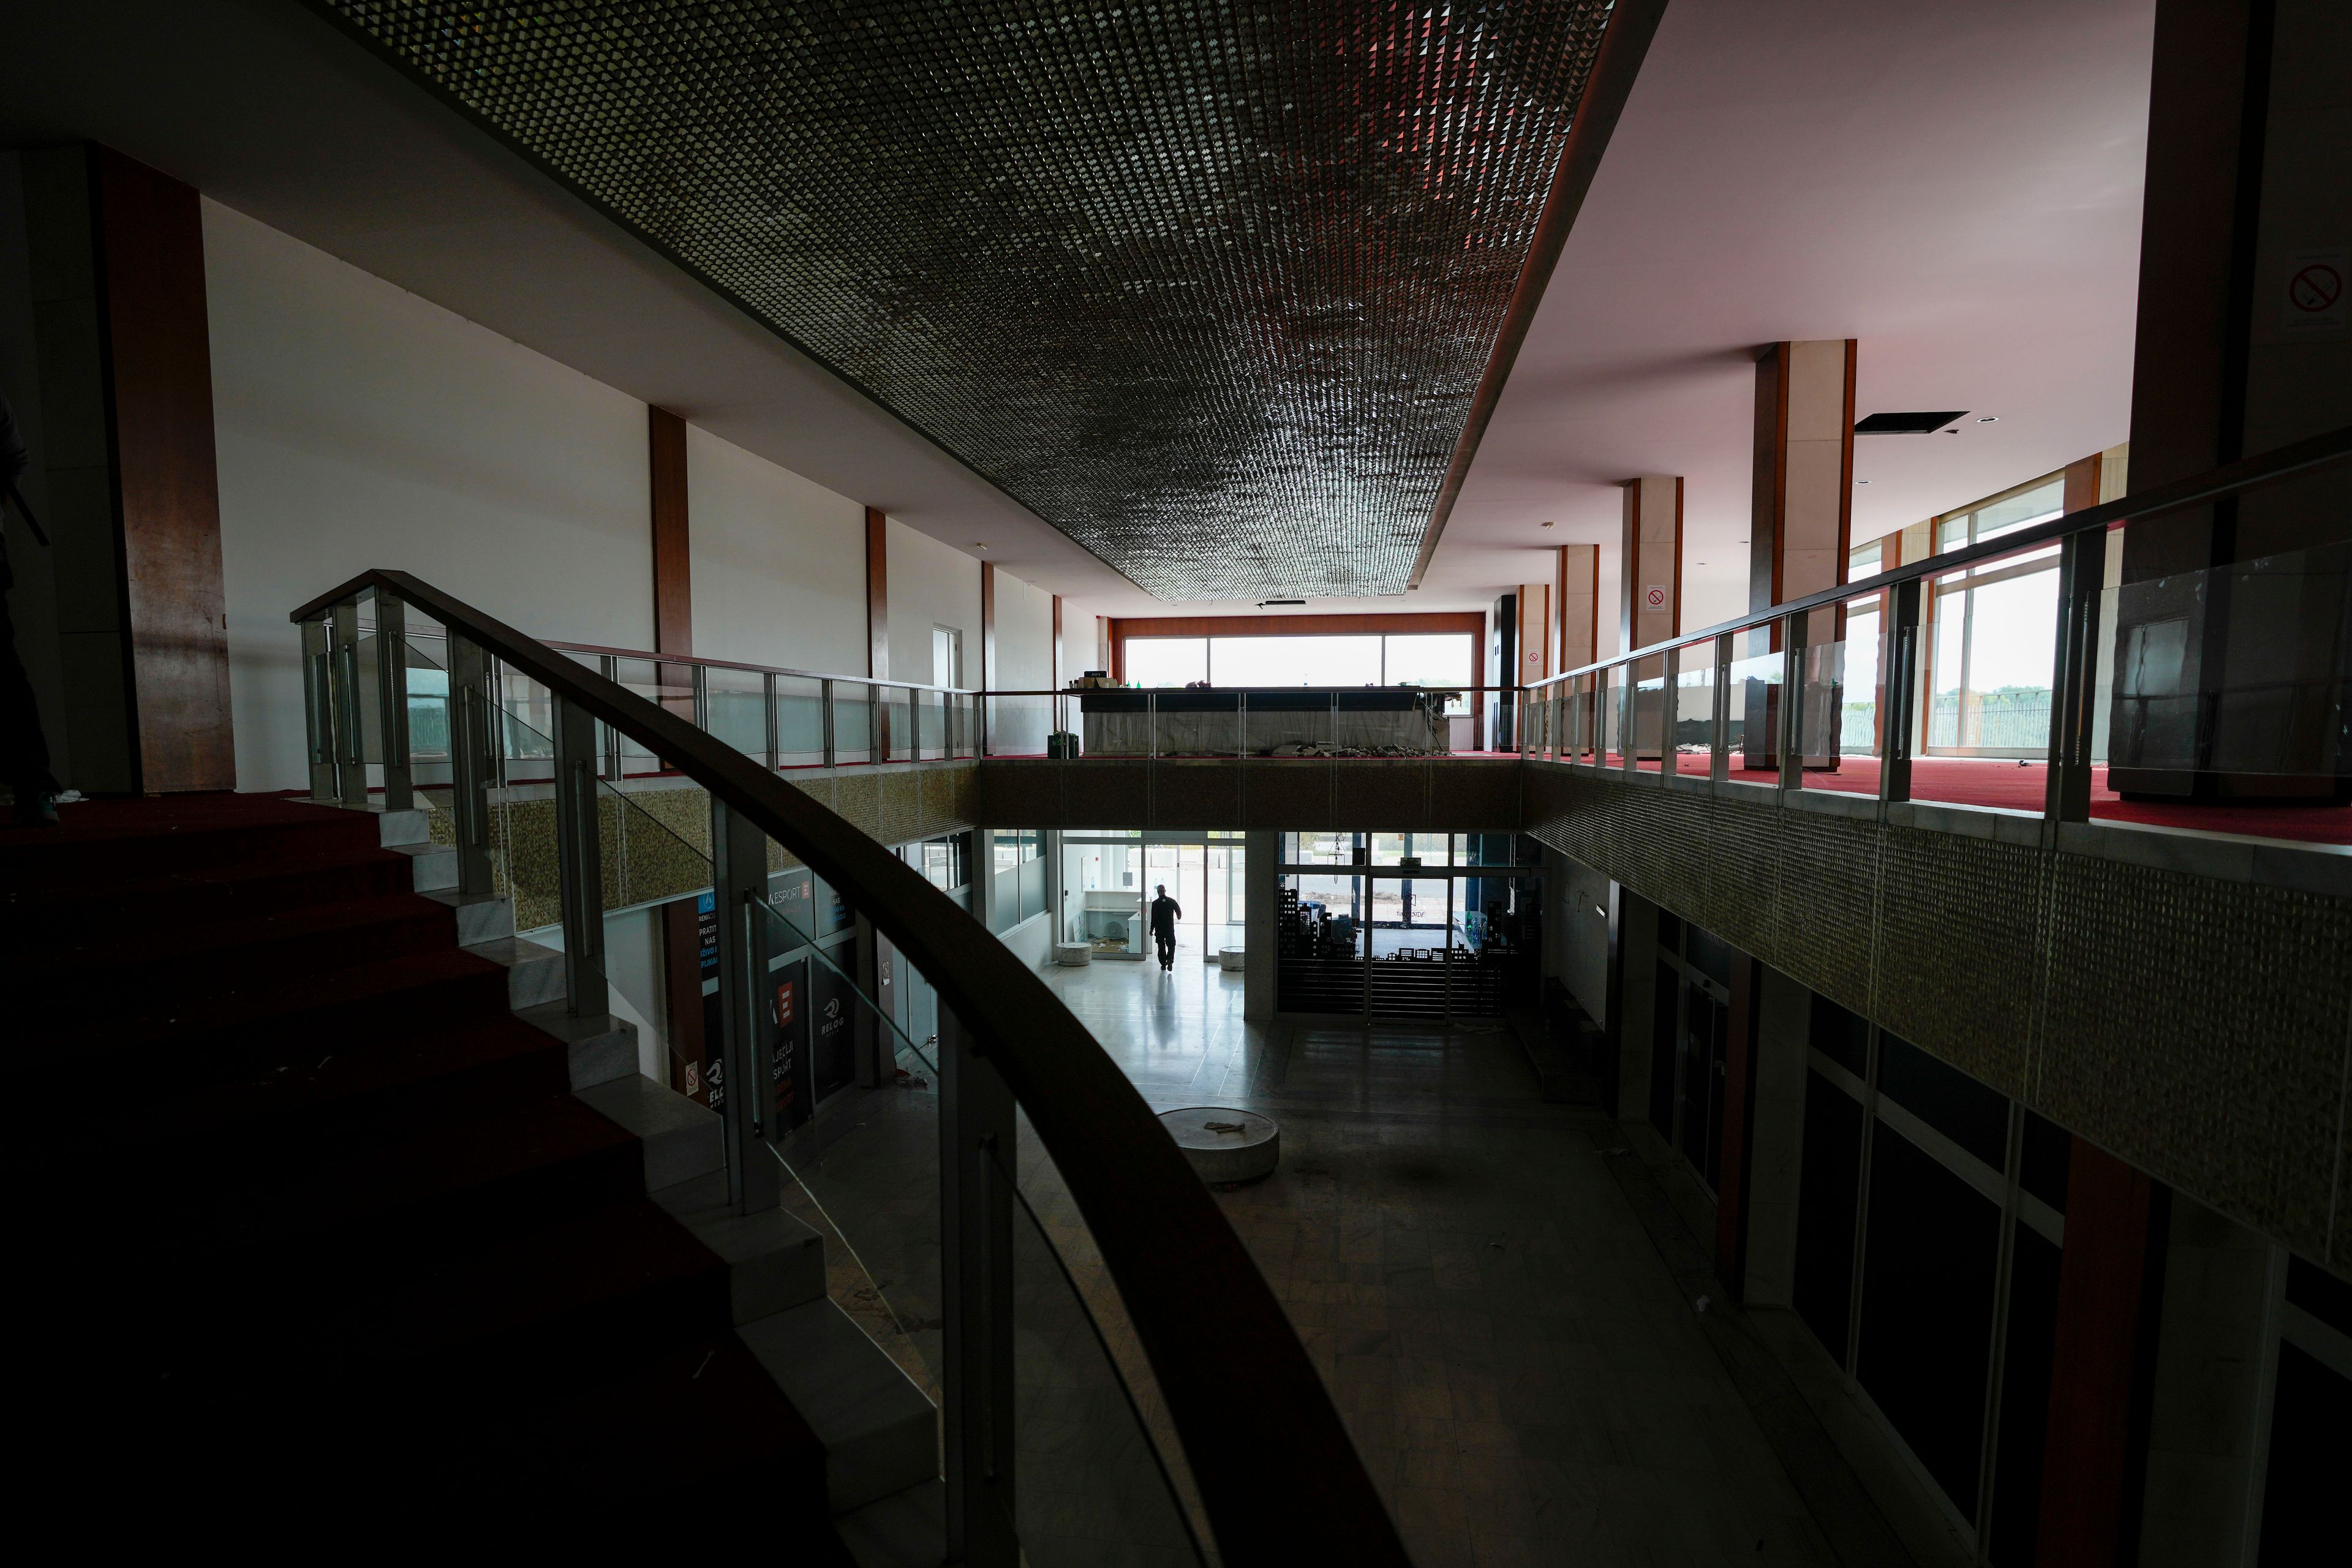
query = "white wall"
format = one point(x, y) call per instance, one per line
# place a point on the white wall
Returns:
point(1024, 635)
point(778, 564)
point(359, 425)
point(931, 584)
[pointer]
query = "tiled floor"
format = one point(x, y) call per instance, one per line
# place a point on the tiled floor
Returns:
point(1511, 1355)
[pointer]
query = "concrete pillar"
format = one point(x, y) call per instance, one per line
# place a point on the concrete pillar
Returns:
point(1802, 503)
point(1576, 607)
point(1261, 855)
point(116, 265)
point(2222, 679)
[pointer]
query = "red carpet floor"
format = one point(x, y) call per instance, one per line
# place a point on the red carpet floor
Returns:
point(2000, 782)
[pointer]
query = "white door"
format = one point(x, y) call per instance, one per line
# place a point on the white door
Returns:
point(946, 655)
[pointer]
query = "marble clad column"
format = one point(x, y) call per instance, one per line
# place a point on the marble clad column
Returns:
point(1802, 503)
point(1576, 607)
point(1650, 589)
point(1535, 639)
point(1649, 594)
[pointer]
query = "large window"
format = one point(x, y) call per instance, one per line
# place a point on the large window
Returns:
point(1420, 658)
point(1994, 635)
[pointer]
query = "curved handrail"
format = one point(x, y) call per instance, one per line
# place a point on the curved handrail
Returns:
point(2247, 473)
point(1281, 1482)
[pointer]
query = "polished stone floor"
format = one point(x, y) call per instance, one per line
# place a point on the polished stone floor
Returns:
point(1506, 1347)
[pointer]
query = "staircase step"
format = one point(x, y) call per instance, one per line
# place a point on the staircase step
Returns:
point(225, 1036)
point(880, 1432)
point(305, 1096)
point(391, 1192)
point(108, 972)
point(113, 840)
point(526, 1312)
point(161, 904)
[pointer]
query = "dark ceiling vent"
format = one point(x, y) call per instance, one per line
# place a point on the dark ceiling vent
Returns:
point(1907, 424)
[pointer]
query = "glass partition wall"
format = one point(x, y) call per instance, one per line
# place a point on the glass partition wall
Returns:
point(1110, 875)
point(1405, 925)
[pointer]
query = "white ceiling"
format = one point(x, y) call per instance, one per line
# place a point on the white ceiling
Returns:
point(1957, 186)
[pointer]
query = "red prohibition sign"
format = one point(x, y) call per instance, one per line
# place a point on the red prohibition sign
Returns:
point(2315, 287)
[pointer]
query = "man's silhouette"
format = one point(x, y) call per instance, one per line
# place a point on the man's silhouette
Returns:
point(1165, 912)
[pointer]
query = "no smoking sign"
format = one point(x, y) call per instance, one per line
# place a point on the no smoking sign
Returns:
point(1654, 597)
point(2314, 298)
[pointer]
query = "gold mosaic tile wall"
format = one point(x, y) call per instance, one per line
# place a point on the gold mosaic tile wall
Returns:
point(2197, 1028)
point(656, 842)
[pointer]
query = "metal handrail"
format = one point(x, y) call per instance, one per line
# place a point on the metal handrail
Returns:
point(1282, 1485)
point(2266, 468)
point(649, 658)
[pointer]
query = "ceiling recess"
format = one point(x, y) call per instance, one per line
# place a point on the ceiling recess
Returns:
point(1907, 424)
point(1207, 286)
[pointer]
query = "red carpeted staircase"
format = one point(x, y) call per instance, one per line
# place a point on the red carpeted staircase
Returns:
point(304, 1206)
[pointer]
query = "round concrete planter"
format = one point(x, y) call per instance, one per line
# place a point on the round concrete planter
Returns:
point(1226, 1146)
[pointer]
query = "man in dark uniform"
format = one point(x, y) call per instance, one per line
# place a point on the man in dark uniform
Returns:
point(1165, 912)
point(24, 750)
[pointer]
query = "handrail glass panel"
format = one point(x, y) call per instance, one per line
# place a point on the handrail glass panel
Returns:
point(737, 701)
point(1692, 742)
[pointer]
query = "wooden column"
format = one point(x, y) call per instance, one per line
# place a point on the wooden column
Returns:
point(673, 563)
point(988, 670)
point(1801, 524)
point(118, 283)
point(681, 923)
point(877, 594)
point(2240, 346)
point(2109, 1284)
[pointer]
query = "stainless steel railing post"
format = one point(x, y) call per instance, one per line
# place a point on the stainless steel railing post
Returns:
point(610, 668)
point(824, 717)
point(319, 707)
point(391, 700)
point(775, 729)
point(1899, 692)
point(1792, 735)
point(2073, 694)
point(1718, 762)
point(738, 857)
point(976, 1155)
point(580, 861)
point(343, 684)
point(473, 766)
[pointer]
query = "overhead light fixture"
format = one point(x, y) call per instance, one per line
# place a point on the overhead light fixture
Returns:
point(1546, 525)
point(978, 544)
point(1914, 424)
point(1862, 481)
point(1989, 419)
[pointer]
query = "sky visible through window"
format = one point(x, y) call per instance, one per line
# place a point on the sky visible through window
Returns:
point(1440, 658)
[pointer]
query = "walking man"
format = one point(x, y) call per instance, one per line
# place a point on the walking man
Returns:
point(1165, 912)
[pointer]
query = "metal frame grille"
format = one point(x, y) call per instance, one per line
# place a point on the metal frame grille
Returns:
point(1208, 286)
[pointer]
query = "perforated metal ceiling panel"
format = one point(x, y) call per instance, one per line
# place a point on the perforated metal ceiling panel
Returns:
point(1207, 286)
